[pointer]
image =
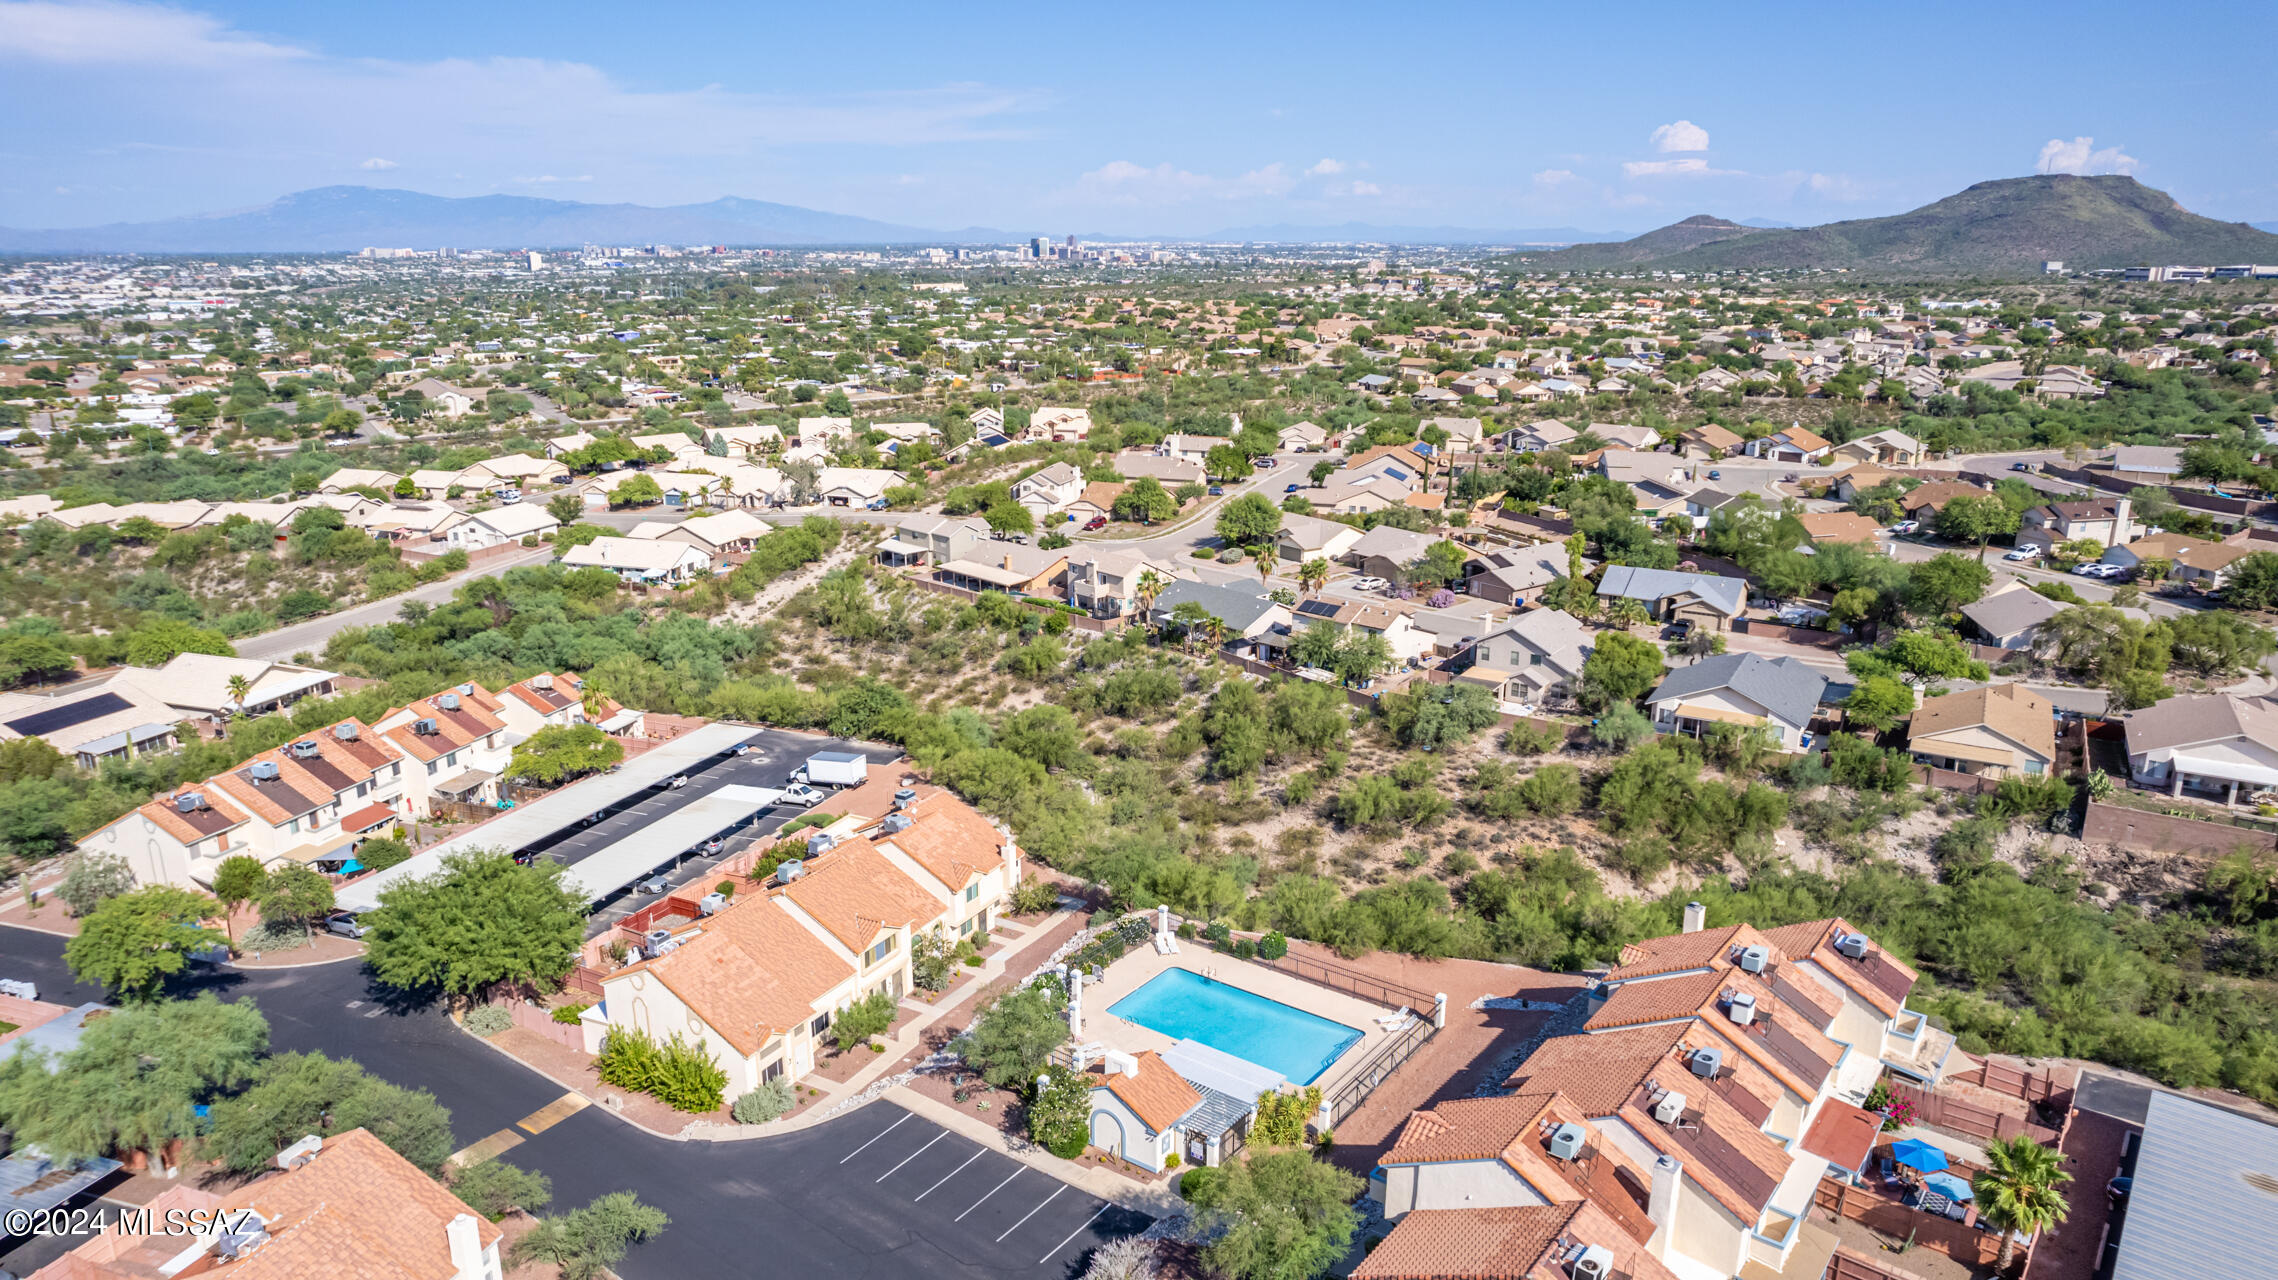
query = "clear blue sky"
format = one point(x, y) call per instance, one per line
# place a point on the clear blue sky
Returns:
point(1167, 117)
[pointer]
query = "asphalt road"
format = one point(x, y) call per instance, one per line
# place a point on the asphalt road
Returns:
point(311, 636)
point(877, 1193)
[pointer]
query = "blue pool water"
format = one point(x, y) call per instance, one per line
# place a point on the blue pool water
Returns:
point(1187, 1006)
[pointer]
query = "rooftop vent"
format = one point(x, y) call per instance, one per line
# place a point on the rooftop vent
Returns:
point(1753, 959)
point(1705, 1062)
point(344, 732)
point(1853, 945)
point(190, 801)
point(263, 771)
point(1593, 1263)
point(466, 691)
point(245, 1235)
point(788, 870)
point(1670, 1109)
point(1743, 1008)
point(447, 701)
point(300, 1153)
point(305, 749)
point(712, 902)
point(1566, 1142)
point(541, 681)
point(896, 822)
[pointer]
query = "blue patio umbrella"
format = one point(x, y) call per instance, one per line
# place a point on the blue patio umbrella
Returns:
point(1954, 1188)
point(351, 867)
point(1917, 1154)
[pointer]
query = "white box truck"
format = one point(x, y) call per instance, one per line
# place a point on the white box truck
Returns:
point(833, 769)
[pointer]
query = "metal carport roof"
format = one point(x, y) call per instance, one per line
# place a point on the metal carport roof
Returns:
point(522, 827)
point(605, 871)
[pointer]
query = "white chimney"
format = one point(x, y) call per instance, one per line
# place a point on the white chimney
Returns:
point(1696, 917)
point(466, 1245)
point(2121, 533)
point(1661, 1206)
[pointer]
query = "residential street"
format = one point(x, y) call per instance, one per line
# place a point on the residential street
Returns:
point(877, 1194)
point(312, 635)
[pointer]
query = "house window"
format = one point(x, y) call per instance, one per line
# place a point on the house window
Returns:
point(363, 787)
point(819, 1025)
point(772, 1072)
point(294, 826)
point(972, 891)
point(431, 768)
point(884, 948)
point(967, 927)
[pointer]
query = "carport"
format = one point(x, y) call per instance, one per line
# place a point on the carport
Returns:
point(519, 828)
point(605, 871)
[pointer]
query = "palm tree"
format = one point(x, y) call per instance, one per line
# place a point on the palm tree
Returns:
point(2018, 1191)
point(1313, 575)
point(1264, 553)
point(1150, 585)
point(239, 688)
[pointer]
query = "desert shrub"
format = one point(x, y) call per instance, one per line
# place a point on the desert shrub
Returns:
point(681, 1075)
point(273, 935)
point(769, 1101)
point(489, 1020)
point(1273, 946)
point(569, 1014)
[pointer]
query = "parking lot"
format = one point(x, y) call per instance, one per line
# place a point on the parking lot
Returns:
point(773, 754)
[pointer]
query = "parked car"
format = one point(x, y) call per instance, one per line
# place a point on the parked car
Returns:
point(1217, 490)
point(2027, 552)
point(1716, 475)
point(344, 924)
point(654, 884)
point(1369, 584)
point(2093, 569)
point(1262, 462)
point(1096, 522)
point(1678, 630)
point(507, 495)
point(675, 782)
point(1292, 488)
point(742, 749)
point(1907, 526)
point(799, 793)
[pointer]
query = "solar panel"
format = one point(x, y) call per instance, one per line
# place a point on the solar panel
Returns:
point(63, 717)
point(1318, 609)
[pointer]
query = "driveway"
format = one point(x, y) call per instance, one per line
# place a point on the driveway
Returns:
point(876, 1193)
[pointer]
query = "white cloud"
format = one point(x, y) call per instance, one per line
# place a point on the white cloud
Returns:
point(1122, 182)
point(1326, 168)
point(375, 163)
point(1367, 189)
point(2081, 155)
point(1690, 167)
point(1837, 186)
point(1555, 177)
point(1680, 135)
point(108, 32)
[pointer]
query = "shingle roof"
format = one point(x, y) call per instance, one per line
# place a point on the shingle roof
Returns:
point(2190, 719)
point(2011, 710)
point(2011, 610)
point(1727, 595)
point(1783, 686)
point(1238, 608)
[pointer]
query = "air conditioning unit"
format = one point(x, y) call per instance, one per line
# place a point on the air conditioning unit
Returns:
point(344, 732)
point(541, 681)
point(789, 869)
point(1743, 1008)
point(300, 1152)
point(895, 822)
point(423, 726)
point(1593, 1263)
point(190, 802)
point(263, 771)
point(712, 902)
point(1566, 1142)
point(820, 843)
point(1670, 1109)
point(1853, 945)
point(305, 749)
point(1753, 959)
point(1706, 1062)
point(447, 701)
point(904, 798)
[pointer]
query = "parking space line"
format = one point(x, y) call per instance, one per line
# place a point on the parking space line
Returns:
point(951, 1174)
point(906, 1159)
point(1032, 1213)
point(1103, 1207)
point(992, 1191)
point(866, 1146)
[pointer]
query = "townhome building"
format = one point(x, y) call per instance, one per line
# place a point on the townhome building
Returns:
point(454, 743)
point(758, 980)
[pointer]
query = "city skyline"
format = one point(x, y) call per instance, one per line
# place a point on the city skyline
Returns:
point(1176, 122)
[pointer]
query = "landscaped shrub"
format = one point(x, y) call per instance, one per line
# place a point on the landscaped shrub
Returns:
point(681, 1075)
point(769, 1101)
point(1199, 1182)
point(1058, 1113)
point(1219, 934)
point(569, 1014)
point(1035, 895)
point(489, 1020)
point(1273, 946)
point(494, 1188)
point(1186, 930)
point(278, 935)
point(1245, 949)
point(865, 1018)
point(726, 888)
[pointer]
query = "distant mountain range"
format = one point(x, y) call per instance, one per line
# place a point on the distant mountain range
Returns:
point(2007, 227)
point(344, 219)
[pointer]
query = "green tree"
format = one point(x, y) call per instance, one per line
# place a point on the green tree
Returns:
point(1248, 519)
point(1284, 1216)
point(1944, 583)
point(2253, 582)
point(1878, 702)
point(1321, 471)
point(160, 641)
point(586, 1242)
point(1059, 1112)
point(1622, 727)
point(294, 1095)
point(134, 1080)
point(296, 894)
point(1225, 462)
point(565, 507)
point(1976, 519)
point(1010, 1040)
point(479, 922)
point(494, 1188)
point(636, 491)
point(1620, 669)
point(1146, 501)
point(558, 753)
point(1281, 1117)
point(133, 943)
point(1009, 517)
point(92, 879)
point(860, 1022)
point(2017, 1192)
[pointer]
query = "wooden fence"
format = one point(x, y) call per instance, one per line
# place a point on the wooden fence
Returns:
point(1891, 1217)
point(2133, 828)
point(1949, 780)
point(1354, 982)
point(1944, 1111)
point(2047, 1088)
point(1846, 1265)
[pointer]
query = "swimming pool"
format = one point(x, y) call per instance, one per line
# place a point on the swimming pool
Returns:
point(1185, 1005)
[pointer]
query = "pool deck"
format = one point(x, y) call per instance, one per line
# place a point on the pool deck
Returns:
point(1141, 965)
